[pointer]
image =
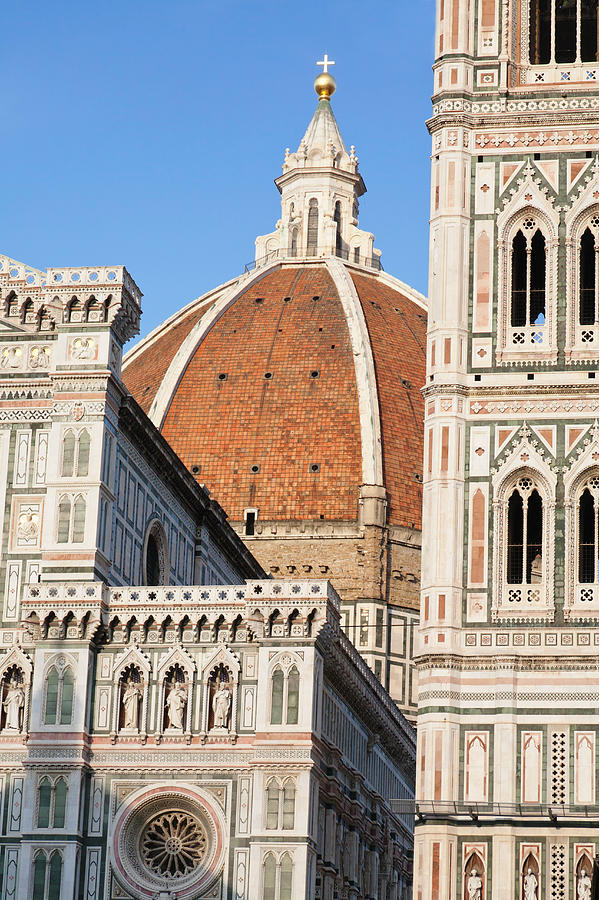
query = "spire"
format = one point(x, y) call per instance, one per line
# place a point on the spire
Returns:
point(322, 144)
point(320, 188)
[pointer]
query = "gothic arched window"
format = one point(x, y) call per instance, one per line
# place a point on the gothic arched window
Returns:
point(47, 875)
point(68, 454)
point(280, 805)
point(52, 803)
point(525, 534)
point(587, 309)
point(278, 877)
point(563, 31)
point(75, 454)
point(58, 707)
point(71, 520)
point(284, 707)
point(588, 531)
point(312, 245)
point(529, 267)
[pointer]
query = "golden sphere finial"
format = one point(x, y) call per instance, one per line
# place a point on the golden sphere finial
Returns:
point(325, 84)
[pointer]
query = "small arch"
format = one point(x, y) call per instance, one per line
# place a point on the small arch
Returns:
point(11, 305)
point(94, 310)
point(312, 237)
point(75, 310)
point(28, 316)
point(155, 555)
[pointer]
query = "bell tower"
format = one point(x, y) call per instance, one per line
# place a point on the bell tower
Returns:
point(509, 631)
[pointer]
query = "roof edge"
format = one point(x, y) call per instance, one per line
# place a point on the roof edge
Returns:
point(157, 332)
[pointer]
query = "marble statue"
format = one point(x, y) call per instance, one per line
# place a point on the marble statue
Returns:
point(530, 885)
point(221, 705)
point(131, 698)
point(13, 703)
point(175, 705)
point(583, 886)
point(474, 886)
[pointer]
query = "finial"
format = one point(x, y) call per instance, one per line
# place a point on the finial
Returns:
point(325, 84)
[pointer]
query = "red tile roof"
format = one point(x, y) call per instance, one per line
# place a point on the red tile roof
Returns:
point(305, 414)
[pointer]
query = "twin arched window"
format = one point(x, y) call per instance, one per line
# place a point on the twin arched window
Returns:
point(71, 519)
point(58, 705)
point(563, 31)
point(280, 805)
point(278, 877)
point(47, 875)
point(75, 454)
point(52, 803)
point(284, 708)
point(529, 282)
point(525, 534)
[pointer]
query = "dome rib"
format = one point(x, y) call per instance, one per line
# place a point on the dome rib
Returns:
point(370, 420)
point(176, 370)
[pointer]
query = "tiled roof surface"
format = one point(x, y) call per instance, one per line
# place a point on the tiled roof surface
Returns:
point(284, 424)
point(287, 423)
point(397, 329)
point(144, 373)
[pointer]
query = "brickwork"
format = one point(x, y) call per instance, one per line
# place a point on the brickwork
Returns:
point(304, 415)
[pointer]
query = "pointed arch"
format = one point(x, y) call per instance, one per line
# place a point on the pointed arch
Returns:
point(524, 536)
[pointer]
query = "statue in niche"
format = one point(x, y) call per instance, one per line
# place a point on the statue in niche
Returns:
point(221, 705)
point(475, 885)
point(12, 703)
point(530, 885)
point(176, 701)
point(131, 698)
point(583, 886)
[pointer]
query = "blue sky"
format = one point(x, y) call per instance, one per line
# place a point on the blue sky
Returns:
point(149, 133)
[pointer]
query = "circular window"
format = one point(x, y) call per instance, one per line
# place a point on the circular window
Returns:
point(168, 838)
point(156, 563)
point(173, 844)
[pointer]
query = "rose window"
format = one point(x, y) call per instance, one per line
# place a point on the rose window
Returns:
point(173, 844)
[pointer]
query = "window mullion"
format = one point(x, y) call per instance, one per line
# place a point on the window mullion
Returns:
point(285, 698)
point(553, 32)
point(528, 278)
point(596, 536)
point(59, 701)
point(578, 28)
point(596, 282)
point(524, 537)
point(278, 880)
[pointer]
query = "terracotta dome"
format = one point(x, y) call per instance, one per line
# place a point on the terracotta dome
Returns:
point(293, 394)
point(288, 390)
